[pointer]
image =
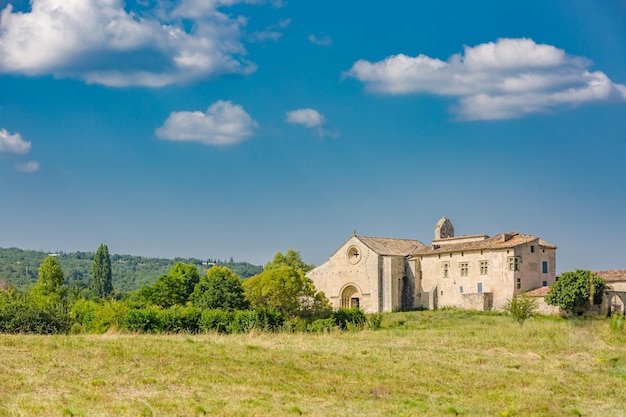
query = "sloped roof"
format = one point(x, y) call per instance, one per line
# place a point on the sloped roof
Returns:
point(498, 241)
point(538, 292)
point(614, 275)
point(392, 247)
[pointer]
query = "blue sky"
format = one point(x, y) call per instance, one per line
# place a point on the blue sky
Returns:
point(221, 128)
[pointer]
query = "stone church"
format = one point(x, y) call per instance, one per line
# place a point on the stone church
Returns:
point(471, 272)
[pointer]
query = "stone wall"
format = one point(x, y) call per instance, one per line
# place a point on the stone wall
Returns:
point(477, 301)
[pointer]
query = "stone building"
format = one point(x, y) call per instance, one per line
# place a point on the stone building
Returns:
point(614, 298)
point(473, 272)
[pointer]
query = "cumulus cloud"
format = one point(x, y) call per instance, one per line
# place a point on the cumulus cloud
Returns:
point(308, 117)
point(28, 167)
point(223, 123)
point(505, 79)
point(312, 119)
point(101, 41)
point(321, 41)
point(13, 143)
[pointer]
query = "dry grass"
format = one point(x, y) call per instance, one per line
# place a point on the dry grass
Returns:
point(419, 364)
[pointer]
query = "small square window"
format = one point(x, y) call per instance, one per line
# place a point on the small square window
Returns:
point(545, 283)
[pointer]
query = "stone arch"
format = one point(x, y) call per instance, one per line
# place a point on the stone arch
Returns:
point(350, 296)
point(616, 304)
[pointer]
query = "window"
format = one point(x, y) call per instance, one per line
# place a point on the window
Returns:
point(519, 283)
point(479, 288)
point(544, 267)
point(545, 283)
point(514, 263)
point(484, 267)
point(532, 248)
point(446, 268)
point(464, 268)
point(461, 289)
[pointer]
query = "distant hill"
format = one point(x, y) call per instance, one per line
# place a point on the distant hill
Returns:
point(19, 268)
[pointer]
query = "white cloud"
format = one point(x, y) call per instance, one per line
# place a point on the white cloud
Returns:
point(99, 41)
point(13, 143)
point(270, 33)
point(308, 117)
point(312, 119)
point(28, 167)
point(497, 80)
point(321, 41)
point(223, 124)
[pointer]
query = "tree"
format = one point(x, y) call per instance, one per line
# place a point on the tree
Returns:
point(571, 291)
point(173, 288)
point(291, 258)
point(221, 289)
point(285, 288)
point(521, 307)
point(49, 288)
point(102, 285)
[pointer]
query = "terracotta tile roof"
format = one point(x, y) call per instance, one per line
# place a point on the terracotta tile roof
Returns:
point(393, 247)
point(538, 292)
point(499, 241)
point(612, 275)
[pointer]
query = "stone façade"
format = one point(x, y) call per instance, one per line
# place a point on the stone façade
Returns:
point(472, 272)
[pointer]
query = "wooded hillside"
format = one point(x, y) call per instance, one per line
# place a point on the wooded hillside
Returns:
point(19, 268)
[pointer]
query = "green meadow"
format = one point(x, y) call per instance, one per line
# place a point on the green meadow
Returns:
point(423, 363)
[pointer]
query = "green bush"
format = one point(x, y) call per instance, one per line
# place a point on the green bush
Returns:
point(215, 321)
point(322, 325)
point(179, 319)
point(354, 316)
point(521, 307)
point(142, 320)
point(295, 324)
point(270, 320)
point(21, 315)
point(99, 316)
point(375, 321)
point(244, 321)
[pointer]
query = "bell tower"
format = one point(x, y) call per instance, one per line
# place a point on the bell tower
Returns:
point(444, 229)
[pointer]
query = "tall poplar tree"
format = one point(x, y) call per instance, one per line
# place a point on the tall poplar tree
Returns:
point(102, 283)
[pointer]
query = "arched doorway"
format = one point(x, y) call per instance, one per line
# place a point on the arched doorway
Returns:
point(616, 305)
point(350, 297)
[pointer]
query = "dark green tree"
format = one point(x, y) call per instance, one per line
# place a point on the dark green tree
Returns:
point(286, 289)
point(572, 290)
point(102, 284)
point(221, 289)
point(173, 288)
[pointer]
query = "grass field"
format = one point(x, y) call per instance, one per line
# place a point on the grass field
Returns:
point(430, 363)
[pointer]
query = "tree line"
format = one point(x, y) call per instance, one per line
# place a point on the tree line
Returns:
point(19, 268)
point(280, 297)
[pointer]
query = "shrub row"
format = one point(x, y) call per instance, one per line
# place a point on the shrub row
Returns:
point(193, 320)
point(21, 315)
point(24, 316)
